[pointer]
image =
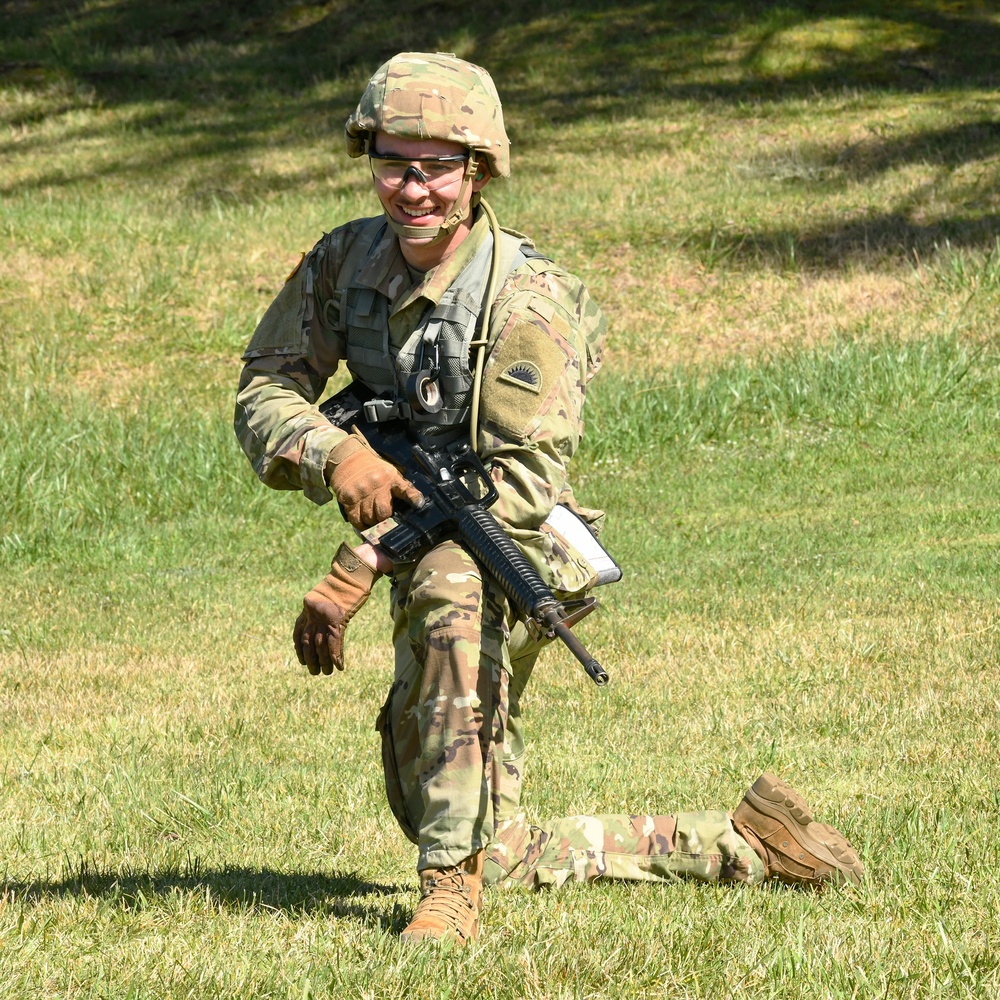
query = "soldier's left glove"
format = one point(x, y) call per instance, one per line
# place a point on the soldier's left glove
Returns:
point(328, 607)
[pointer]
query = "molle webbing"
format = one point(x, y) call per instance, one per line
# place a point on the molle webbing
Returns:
point(441, 339)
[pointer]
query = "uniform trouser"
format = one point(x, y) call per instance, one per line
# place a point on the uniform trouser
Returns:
point(453, 750)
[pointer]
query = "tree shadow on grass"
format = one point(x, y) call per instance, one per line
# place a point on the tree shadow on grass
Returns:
point(213, 86)
point(561, 60)
point(131, 49)
point(337, 894)
point(222, 171)
point(881, 240)
point(909, 228)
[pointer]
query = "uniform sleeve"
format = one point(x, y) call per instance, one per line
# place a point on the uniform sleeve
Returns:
point(292, 354)
point(548, 348)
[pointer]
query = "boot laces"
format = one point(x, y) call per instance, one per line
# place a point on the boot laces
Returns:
point(447, 891)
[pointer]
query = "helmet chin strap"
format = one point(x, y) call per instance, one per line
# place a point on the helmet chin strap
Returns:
point(455, 218)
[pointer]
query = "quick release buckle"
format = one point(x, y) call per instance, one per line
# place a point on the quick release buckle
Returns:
point(379, 410)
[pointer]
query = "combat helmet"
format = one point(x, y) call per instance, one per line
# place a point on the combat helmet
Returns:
point(424, 95)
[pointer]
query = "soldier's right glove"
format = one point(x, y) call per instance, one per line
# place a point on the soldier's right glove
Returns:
point(328, 607)
point(366, 484)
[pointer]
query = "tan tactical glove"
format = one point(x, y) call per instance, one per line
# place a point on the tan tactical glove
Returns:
point(328, 607)
point(365, 484)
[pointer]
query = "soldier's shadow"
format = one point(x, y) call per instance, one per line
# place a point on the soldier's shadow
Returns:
point(337, 894)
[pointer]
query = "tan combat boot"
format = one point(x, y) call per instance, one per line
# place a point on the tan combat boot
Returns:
point(450, 901)
point(776, 822)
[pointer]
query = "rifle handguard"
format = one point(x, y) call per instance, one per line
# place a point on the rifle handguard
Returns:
point(519, 580)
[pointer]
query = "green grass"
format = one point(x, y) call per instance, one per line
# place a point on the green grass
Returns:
point(789, 213)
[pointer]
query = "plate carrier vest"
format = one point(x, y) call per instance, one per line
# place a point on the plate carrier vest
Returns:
point(441, 340)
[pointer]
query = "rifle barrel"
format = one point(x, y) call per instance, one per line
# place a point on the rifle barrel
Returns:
point(595, 671)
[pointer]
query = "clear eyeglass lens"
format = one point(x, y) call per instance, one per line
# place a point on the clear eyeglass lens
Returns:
point(429, 171)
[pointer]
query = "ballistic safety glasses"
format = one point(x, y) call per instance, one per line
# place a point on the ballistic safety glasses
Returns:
point(430, 171)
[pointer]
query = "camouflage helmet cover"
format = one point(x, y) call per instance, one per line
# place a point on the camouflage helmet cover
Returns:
point(421, 95)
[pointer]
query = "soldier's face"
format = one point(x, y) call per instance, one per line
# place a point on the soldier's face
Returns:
point(422, 197)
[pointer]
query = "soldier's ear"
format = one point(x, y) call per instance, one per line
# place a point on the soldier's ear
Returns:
point(481, 178)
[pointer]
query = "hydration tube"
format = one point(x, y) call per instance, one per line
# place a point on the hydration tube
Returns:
point(484, 327)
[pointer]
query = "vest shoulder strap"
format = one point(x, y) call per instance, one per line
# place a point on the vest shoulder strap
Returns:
point(365, 240)
point(517, 249)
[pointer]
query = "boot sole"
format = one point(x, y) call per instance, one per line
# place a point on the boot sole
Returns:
point(771, 796)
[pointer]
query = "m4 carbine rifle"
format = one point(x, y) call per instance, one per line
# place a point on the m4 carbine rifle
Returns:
point(450, 509)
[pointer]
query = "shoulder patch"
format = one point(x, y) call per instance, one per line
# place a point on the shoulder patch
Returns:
point(521, 378)
point(525, 374)
point(282, 329)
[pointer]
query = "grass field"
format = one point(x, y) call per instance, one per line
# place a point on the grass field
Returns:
point(791, 215)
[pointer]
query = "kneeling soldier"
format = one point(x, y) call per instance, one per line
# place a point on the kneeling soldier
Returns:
point(464, 332)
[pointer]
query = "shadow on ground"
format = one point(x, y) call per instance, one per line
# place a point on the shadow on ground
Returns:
point(130, 50)
point(213, 84)
point(232, 886)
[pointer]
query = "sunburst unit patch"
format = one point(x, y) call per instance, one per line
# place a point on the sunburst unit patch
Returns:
point(522, 377)
point(525, 374)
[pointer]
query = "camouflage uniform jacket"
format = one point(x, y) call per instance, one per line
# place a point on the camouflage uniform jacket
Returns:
point(542, 320)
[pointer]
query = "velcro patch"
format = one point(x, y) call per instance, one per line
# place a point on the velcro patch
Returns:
point(282, 328)
point(522, 377)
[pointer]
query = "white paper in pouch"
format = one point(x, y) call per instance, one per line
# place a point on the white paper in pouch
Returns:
point(576, 531)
